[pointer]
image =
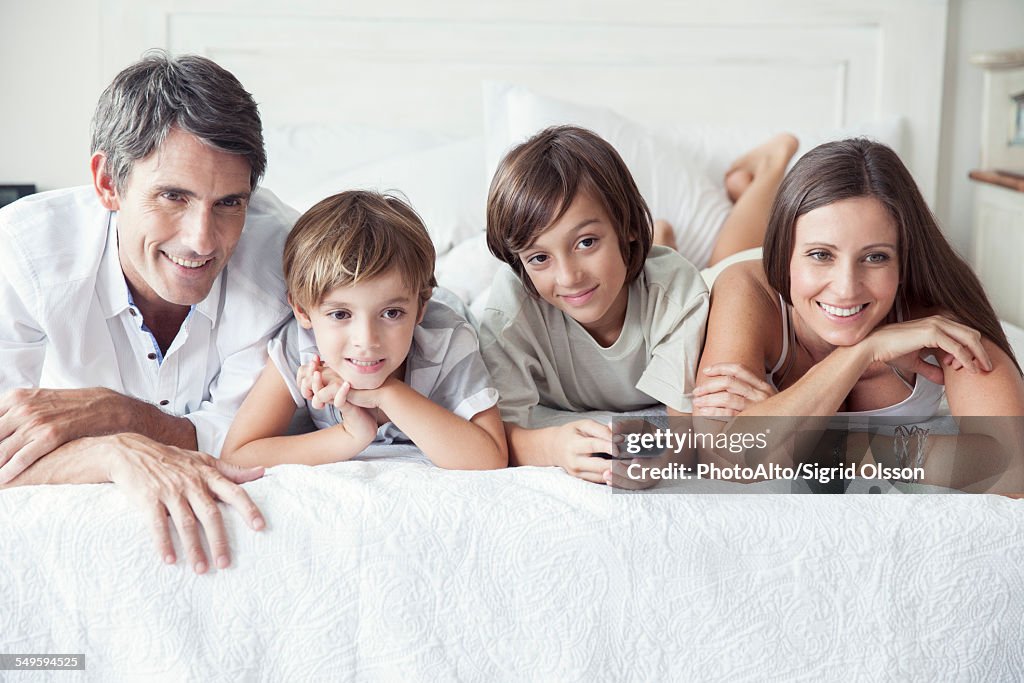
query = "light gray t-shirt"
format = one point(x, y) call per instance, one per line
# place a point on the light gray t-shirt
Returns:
point(539, 355)
point(444, 364)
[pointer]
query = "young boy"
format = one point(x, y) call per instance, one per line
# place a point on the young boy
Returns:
point(589, 316)
point(372, 356)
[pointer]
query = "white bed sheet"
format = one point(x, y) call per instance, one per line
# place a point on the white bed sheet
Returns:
point(394, 570)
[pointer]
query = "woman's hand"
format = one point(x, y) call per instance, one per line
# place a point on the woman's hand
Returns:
point(903, 345)
point(727, 389)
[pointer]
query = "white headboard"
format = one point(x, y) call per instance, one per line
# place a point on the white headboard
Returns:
point(775, 63)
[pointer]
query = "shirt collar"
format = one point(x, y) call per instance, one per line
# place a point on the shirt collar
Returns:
point(210, 306)
point(112, 288)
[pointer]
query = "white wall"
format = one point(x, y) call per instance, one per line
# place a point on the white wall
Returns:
point(974, 26)
point(50, 81)
point(53, 75)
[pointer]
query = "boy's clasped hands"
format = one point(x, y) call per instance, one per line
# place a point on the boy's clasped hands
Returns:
point(322, 386)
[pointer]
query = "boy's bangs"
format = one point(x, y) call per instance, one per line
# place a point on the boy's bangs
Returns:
point(552, 195)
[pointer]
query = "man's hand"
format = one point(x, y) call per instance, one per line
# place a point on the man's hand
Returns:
point(185, 485)
point(34, 422)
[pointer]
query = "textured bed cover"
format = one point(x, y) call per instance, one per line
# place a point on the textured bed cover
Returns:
point(384, 569)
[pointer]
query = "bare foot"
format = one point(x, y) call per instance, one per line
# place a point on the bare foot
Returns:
point(664, 234)
point(752, 183)
point(773, 154)
point(736, 182)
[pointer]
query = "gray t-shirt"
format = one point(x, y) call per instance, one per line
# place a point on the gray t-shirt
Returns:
point(444, 364)
point(539, 356)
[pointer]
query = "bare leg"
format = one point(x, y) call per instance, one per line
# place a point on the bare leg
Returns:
point(754, 179)
point(664, 234)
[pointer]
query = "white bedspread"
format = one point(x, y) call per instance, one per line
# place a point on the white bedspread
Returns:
point(389, 570)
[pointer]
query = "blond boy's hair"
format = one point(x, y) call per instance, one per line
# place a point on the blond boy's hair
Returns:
point(354, 236)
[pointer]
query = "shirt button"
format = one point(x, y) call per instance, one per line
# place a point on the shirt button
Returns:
point(164, 402)
point(151, 356)
point(131, 312)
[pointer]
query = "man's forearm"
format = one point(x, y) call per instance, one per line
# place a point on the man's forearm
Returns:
point(167, 429)
point(125, 414)
point(82, 461)
point(35, 423)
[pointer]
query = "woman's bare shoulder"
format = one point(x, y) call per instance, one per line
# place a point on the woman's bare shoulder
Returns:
point(746, 278)
point(745, 323)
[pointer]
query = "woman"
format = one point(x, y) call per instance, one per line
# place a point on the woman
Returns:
point(862, 308)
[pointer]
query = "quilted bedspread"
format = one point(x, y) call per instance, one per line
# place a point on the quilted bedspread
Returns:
point(399, 570)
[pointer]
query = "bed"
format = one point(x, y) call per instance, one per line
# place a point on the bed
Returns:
point(388, 568)
point(396, 570)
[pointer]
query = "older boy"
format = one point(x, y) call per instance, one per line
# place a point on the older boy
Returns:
point(588, 317)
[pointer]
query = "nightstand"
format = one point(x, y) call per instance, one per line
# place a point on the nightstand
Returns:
point(998, 227)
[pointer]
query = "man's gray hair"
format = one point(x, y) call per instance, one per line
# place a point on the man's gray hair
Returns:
point(190, 92)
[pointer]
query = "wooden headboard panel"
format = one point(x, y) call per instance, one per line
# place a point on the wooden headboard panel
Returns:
point(779, 63)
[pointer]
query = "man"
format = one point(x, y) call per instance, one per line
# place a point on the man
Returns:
point(143, 304)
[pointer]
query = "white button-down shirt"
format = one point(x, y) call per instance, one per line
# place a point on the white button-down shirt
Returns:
point(67, 319)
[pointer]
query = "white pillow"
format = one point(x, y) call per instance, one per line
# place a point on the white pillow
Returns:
point(468, 271)
point(679, 169)
point(300, 156)
point(445, 184)
point(670, 177)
